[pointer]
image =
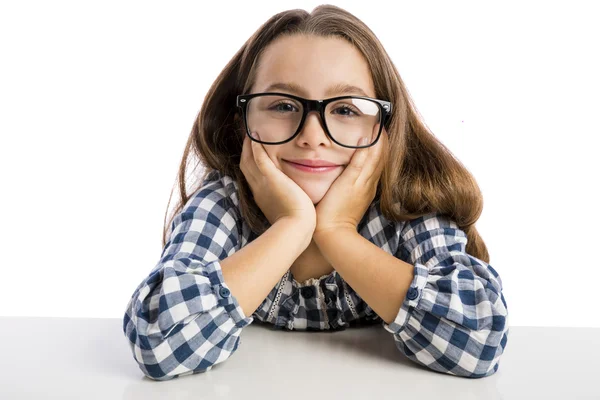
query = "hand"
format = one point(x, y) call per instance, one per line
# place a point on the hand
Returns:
point(351, 194)
point(275, 193)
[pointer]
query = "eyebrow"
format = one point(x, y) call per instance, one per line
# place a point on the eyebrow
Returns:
point(339, 88)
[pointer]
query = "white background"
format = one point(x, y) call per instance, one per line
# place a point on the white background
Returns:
point(97, 100)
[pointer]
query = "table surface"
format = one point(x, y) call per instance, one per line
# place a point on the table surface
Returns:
point(77, 358)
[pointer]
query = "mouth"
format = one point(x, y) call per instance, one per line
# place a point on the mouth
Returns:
point(306, 168)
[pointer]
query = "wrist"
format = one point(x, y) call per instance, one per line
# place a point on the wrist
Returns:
point(302, 230)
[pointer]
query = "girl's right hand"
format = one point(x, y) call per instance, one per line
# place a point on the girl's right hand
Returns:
point(275, 193)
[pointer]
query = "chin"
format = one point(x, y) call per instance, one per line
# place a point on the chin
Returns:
point(316, 198)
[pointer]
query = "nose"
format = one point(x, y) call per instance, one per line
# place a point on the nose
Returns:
point(313, 130)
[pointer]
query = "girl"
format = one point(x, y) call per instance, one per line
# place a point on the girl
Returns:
point(325, 203)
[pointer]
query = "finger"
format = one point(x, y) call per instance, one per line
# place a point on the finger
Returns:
point(376, 155)
point(244, 154)
point(261, 159)
point(358, 159)
point(245, 164)
point(380, 146)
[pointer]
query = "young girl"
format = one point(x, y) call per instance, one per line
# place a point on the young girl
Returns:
point(383, 234)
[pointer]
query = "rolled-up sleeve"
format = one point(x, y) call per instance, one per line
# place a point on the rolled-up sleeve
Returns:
point(182, 319)
point(454, 318)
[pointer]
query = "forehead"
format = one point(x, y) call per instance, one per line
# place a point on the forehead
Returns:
point(314, 67)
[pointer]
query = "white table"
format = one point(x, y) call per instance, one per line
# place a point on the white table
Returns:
point(72, 358)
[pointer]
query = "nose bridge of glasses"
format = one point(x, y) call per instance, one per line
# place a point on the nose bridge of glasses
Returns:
point(316, 106)
point(313, 105)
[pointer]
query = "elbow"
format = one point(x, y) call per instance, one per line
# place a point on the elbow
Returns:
point(461, 357)
point(190, 347)
point(155, 373)
point(182, 323)
point(455, 349)
point(476, 353)
point(490, 356)
point(476, 360)
point(479, 345)
point(469, 365)
point(172, 369)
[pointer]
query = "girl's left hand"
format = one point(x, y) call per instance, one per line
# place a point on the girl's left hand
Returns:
point(351, 194)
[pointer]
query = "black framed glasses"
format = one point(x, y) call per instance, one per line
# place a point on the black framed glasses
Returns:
point(279, 117)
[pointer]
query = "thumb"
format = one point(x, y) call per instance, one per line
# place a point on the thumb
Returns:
point(359, 157)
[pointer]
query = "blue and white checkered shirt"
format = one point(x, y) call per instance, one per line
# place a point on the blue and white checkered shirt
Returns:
point(454, 318)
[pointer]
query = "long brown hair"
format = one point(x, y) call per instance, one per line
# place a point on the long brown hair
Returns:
point(422, 177)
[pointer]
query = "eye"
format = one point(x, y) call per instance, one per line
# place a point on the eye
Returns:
point(346, 109)
point(276, 107)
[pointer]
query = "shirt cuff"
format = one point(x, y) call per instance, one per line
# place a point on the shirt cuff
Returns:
point(213, 271)
point(413, 296)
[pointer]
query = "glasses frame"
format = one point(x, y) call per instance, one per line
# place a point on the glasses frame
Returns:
point(385, 112)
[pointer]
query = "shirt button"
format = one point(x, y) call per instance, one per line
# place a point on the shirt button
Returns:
point(307, 292)
point(224, 292)
point(413, 293)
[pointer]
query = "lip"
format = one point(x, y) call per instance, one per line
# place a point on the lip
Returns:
point(306, 168)
point(313, 163)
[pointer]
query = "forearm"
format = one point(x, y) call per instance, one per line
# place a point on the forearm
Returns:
point(378, 277)
point(253, 271)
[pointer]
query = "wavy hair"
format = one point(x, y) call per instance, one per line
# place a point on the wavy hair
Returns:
point(424, 177)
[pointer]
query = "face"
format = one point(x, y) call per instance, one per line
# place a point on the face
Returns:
point(314, 64)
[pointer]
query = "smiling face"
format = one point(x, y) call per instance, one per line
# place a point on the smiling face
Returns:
point(313, 65)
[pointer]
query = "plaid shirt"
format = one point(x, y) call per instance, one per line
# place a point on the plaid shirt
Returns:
point(182, 319)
